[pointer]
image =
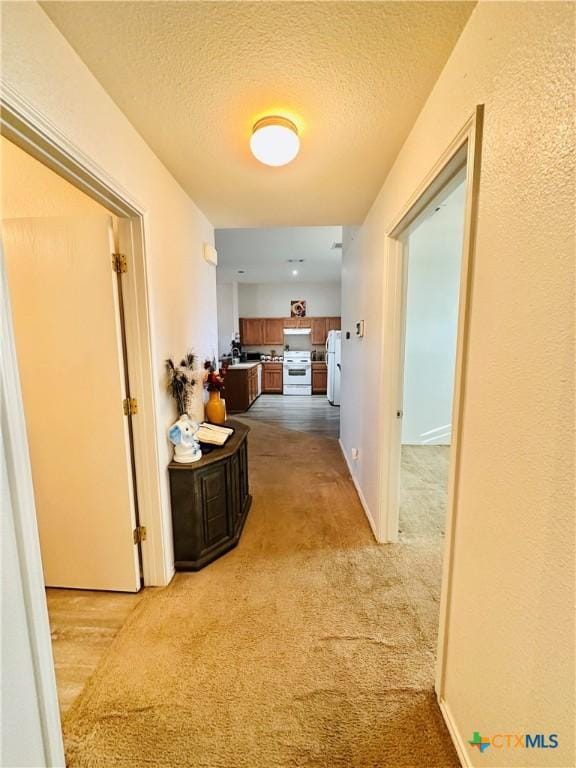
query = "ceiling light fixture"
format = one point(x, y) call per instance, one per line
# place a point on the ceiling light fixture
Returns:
point(294, 271)
point(275, 141)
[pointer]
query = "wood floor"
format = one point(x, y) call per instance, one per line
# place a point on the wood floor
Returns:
point(83, 625)
point(304, 413)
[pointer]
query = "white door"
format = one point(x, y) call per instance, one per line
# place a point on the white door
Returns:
point(66, 321)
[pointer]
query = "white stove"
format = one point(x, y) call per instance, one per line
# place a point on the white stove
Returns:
point(297, 373)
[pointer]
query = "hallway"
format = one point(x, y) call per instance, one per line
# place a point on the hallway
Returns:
point(308, 645)
point(312, 413)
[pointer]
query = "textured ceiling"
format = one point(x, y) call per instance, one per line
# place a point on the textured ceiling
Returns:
point(263, 254)
point(193, 77)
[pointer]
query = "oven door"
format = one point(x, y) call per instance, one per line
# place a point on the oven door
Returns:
point(298, 374)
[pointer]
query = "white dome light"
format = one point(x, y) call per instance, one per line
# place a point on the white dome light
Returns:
point(275, 141)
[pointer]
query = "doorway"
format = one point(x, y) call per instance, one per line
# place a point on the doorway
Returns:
point(69, 325)
point(432, 267)
point(279, 316)
point(462, 157)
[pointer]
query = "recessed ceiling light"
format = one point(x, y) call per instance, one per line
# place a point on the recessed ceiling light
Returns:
point(294, 271)
point(295, 261)
point(275, 141)
point(241, 271)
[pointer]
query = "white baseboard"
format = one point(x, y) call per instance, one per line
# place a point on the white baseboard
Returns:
point(455, 735)
point(359, 492)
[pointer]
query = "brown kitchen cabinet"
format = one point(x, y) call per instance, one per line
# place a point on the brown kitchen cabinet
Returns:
point(272, 378)
point(333, 324)
point(318, 325)
point(251, 331)
point(241, 387)
point(259, 331)
point(252, 384)
point(273, 330)
point(319, 378)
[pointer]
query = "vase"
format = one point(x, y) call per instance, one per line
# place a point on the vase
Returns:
point(215, 408)
point(195, 405)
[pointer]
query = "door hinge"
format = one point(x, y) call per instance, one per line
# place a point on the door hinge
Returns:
point(130, 405)
point(399, 414)
point(139, 534)
point(119, 263)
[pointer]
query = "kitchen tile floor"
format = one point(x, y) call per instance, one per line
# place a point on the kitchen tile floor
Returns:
point(304, 413)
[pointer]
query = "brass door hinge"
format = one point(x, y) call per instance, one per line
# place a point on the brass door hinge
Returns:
point(130, 405)
point(119, 263)
point(139, 534)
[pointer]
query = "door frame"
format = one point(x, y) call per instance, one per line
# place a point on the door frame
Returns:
point(22, 124)
point(463, 150)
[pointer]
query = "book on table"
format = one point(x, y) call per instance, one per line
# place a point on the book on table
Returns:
point(213, 434)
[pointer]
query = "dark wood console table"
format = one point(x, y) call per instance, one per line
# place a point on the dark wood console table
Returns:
point(210, 502)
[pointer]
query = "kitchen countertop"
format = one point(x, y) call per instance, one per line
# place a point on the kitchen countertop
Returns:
point(243, 366)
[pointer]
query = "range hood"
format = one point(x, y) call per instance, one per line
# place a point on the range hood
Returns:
point(298, 331)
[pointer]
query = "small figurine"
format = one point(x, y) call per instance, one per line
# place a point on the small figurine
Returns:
point(182, 435)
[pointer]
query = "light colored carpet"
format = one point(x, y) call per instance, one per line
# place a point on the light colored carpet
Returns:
point(308, 645)
point(423, 492)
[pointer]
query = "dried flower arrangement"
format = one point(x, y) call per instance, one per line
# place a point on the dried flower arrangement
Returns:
point(181, 381)
point(215, 378)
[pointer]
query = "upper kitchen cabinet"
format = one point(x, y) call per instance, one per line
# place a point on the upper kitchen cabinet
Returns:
point(251, 331)
point(318, 325)
point(333, 324)
point(269, 331)
point(274, 330)
point(297, 322)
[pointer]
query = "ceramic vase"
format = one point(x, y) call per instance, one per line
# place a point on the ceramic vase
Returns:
point(215, 408)
point(195, 404)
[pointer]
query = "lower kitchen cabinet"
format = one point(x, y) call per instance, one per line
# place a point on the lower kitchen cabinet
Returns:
point(210, 500)
point(319, 378)
point(241, 387)
point(272, 378)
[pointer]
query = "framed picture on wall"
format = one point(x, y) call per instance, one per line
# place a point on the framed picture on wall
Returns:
point(298, 308)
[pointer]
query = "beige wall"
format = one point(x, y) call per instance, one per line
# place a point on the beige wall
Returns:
point(273, 299)
point(511, 642)
point(29, 189)
point(46, 72)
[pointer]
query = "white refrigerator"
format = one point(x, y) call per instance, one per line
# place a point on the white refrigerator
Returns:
point(334, 369)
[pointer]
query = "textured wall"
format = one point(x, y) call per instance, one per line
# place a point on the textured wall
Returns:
point(36, 58)
point(510, 649)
